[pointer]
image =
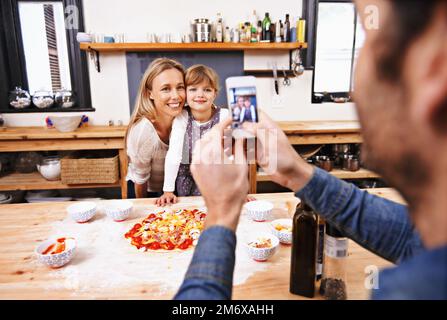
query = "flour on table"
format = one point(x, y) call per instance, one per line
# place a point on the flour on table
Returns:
point(104, 259)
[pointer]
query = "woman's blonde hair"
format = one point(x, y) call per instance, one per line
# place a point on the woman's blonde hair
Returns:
point(144, 106)
point(199, 73)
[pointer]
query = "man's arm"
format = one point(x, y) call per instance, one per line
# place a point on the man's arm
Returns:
point(210, 274)
point(380, 225)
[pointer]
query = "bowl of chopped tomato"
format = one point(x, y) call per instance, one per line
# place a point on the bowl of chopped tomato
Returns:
point(261, 246)
point(57, 252)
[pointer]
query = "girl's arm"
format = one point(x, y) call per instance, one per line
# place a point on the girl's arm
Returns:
point(173, 157)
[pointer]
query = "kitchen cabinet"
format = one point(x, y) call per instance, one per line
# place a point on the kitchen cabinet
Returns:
point(18, 139)
point(319, 132)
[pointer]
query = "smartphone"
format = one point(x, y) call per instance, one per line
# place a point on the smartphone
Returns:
point(243, 103)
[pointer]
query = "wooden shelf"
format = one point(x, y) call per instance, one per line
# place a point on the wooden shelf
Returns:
point(341, 174)
point(34, 181)
point(195, 46)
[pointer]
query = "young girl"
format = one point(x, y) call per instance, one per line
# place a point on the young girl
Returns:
point(202, 87)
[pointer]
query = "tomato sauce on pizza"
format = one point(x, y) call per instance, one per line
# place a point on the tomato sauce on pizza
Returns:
point(167, 230)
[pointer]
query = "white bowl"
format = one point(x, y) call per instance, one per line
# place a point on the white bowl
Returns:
point(261, 254)
point(50, 172)
point(259, 210)
point(82, 211)
point(284, 236)
point(118, 210)
point(59, 259)
point(66, 123)
point(83, 37)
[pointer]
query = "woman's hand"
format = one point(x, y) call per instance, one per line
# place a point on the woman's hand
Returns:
point(166, 198)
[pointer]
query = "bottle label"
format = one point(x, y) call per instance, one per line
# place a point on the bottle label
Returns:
point(336, 247)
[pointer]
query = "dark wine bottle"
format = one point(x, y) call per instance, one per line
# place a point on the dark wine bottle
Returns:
point(304, 251)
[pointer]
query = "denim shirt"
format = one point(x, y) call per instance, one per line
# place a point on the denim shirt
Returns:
point(377, 224)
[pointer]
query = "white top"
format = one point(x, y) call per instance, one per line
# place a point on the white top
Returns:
point(175, 152)
point(146, 154)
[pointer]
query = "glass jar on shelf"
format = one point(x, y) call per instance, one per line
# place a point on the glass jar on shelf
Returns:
point(43, 99)
point(333, 283)
point(65, 98)
point(19, 98)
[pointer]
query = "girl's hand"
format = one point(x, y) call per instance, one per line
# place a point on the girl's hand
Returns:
point(250, 198)
point(166, 198)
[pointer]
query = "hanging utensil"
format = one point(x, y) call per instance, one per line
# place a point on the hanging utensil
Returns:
point(286, 81)
point(275, 76)
point(297, 65)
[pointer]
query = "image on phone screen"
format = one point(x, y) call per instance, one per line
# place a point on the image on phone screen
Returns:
point(243, 105)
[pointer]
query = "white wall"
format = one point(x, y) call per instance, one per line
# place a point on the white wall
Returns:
point(137, 18)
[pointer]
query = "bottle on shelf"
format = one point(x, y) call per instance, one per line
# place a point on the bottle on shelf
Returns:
point(333, 282)
point(219, 28)
point(278, 31)
point(301, 30)
point(254, 33)
point(287, 29)
point(281, 30)
point(227, 34)
point(242, 34)
point(247, 32)
point(266, 22)
point(254, 19)
point(259, 31)
point(304, 250)
point(272, 32)
point(235, 35)
point(293, 31)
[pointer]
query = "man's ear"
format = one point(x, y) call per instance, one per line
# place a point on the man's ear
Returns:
point(429, 89)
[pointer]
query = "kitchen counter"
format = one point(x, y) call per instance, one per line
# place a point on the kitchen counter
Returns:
point(106, 266)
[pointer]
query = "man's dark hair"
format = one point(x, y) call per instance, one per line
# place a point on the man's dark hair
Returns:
point(408, 20)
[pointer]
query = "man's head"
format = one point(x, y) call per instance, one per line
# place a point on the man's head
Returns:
point(401, 91)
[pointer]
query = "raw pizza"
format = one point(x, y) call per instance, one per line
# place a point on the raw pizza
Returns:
point(168, 230)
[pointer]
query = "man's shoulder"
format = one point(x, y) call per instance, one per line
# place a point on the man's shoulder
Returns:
point(421, 277)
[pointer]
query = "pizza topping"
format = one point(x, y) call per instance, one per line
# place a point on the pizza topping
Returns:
point(168, 230)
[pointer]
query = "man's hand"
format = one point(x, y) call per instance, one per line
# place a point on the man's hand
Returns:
point(222, 179)
point(276, 156)
point(166, 198)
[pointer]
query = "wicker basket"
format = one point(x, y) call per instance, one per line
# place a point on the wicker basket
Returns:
point(85, 171)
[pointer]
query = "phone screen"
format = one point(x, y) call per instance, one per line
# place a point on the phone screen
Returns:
point(243, 105)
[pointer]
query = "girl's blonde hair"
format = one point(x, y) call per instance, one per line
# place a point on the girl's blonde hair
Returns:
point(198, 73)
point(144, 106)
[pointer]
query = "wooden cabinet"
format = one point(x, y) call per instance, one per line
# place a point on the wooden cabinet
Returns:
point(319, 132)
point(18, 139)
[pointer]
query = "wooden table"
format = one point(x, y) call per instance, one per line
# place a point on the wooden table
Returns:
point(17, 139)
point(24, 226)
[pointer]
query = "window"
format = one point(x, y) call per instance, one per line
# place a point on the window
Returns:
point(39, 51)
point(337, 38)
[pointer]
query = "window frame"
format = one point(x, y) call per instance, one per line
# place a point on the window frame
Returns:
point(310, 13)
point(13, 65)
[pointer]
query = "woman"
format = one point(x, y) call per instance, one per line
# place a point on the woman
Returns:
point(160, 99)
